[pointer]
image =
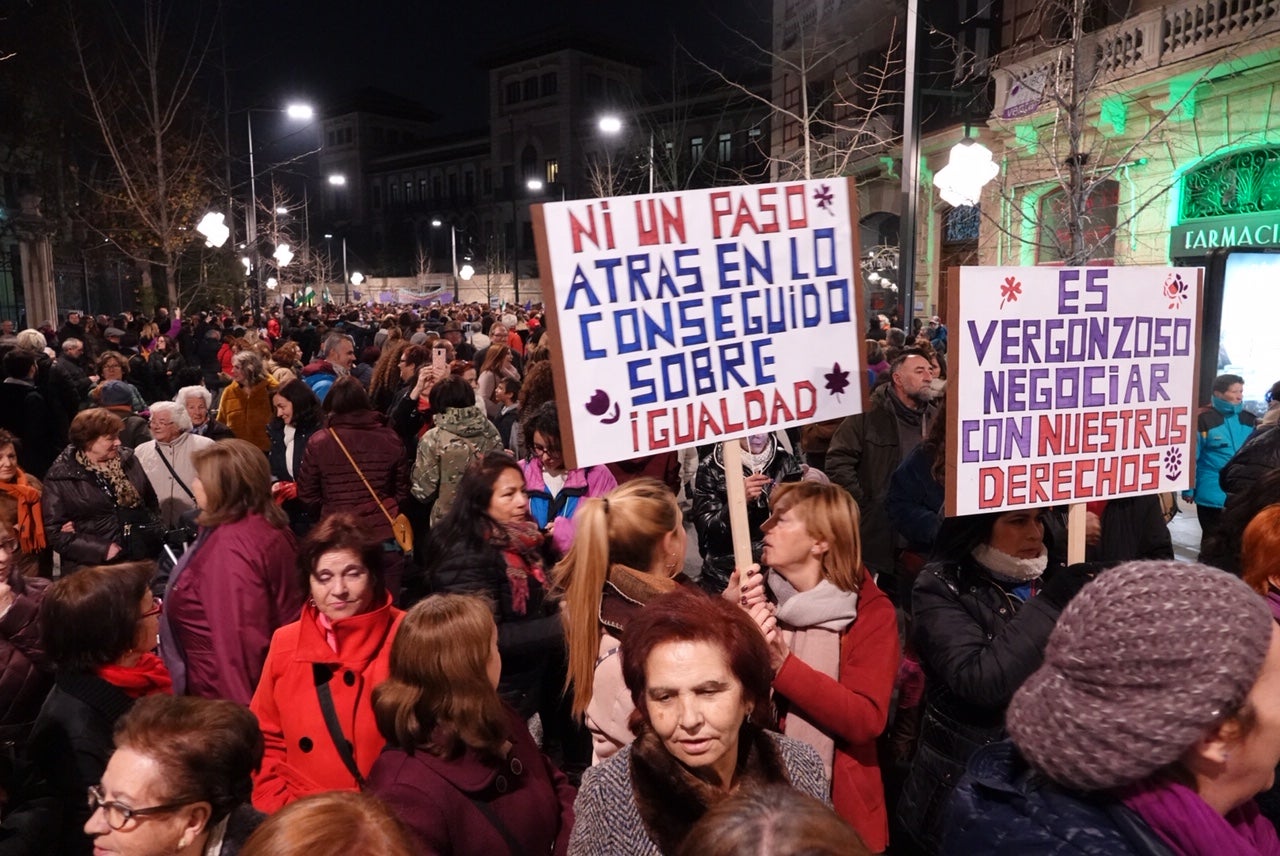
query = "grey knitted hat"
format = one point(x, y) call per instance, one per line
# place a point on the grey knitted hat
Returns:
point(1143, 661)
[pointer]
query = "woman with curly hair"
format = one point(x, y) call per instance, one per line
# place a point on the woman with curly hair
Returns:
point(386, 375)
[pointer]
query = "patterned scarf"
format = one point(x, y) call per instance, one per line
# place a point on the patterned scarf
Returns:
point(30, 517)
point(520, 543)
point(110, 475)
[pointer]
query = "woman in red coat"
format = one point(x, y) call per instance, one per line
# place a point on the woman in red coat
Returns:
point(461, 769)
point(342, 639)
point(833, 642)
point(328, 482)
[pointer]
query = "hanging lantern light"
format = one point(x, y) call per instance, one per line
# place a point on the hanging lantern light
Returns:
point(968, 170)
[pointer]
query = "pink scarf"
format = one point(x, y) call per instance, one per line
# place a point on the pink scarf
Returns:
point(1191, 828)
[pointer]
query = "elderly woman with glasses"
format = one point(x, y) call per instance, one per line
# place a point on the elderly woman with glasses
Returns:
point(168, 460)
point(179, 780)
point(99, 630)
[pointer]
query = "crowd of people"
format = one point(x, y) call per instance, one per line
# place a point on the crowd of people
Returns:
point(322, 581)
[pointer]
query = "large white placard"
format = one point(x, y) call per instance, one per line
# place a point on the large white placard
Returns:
point(693, 317)
point(1070, 384)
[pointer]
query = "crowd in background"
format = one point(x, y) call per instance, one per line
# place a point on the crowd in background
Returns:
point(322, 581)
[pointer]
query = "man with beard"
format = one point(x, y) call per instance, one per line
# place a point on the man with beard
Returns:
point(869, 446)
point(337, 356)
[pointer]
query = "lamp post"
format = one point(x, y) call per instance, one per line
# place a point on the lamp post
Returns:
point(612, 125)
point(453, 253)
point(297, 112)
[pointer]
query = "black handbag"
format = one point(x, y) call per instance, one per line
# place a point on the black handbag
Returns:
point(142, 533)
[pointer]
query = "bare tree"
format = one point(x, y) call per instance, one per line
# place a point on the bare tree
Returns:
point(1078, 124)
point(137, 74)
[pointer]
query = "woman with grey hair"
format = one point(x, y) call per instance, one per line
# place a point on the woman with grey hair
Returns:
point(197, 401)
point(167, 460)
point(246, 403)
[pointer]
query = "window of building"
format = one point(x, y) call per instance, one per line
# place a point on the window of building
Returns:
point(552, 172)
point(1098, 221)
point(408, 191)
point(595, 86)
point(513, 92)
point(724, 148)
point(550, 82)
point(530, 89)
point(377, 196)
point(613, 88)
point(469, 183)
point(453, 184)
point(437, 187)
point(508, 177)
point(422, 190)
point(696, 147)
point(346, 136)
point(486, 181)
point(395, 194)
point(329, 138)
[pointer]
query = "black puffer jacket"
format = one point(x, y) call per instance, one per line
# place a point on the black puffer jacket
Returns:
point(977, 643)
point(531, 643)
point(711, 512)
point(73, 495)
point(1259, 455)
point(1003, 806)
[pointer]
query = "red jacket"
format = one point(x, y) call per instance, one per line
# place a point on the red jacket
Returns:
point(300, 755)
point(433, 796)
point(328, 483)
point(854, 710)
point(223, 606)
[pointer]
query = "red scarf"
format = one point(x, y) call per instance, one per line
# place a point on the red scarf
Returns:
point(30, 517)
point(146, 677)
point(520, 543)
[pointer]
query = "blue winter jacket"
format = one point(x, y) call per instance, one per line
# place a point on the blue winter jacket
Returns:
point(1220, 434)
point(1003, 807)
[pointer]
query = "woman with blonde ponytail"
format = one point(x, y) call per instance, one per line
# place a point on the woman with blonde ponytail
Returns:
point(629, 547)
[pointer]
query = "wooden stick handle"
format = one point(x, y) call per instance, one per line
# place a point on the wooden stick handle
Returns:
point(736, 491)
point(1076, 533)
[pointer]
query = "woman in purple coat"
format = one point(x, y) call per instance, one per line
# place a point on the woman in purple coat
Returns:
point(460, 768)
point(236, 584)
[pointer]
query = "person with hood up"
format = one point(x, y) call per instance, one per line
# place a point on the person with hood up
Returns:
point(1221, 430)
point(461, 436)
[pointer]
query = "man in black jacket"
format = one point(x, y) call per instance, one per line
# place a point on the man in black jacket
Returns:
point(869, 446)
point(1259, 455)
point(25, 414)
point(70, 379)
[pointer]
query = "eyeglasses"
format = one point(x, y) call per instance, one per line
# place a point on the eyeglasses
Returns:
point(118, 815)
point(10, 546)
point(154, 610)
point(539, 449)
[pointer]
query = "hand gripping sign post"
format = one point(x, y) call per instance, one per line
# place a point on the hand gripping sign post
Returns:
point(1070, 385)
point(701, 316)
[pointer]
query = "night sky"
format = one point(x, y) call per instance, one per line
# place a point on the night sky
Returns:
point(434, 52)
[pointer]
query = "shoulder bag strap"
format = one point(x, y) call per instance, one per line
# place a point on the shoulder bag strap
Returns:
point(322, 674)
point(175, 475)
point(372, 492)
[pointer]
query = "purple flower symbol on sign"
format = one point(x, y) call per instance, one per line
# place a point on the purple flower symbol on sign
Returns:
point(1175, 291)
point(824, 197)
point(1172, 464)
point(837, 380)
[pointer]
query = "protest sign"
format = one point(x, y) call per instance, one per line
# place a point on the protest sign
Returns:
point(1070, 384)
point(699, 316)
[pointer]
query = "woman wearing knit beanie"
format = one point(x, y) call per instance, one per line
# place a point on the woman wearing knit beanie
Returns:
point(1153, 722)
point(981, 616)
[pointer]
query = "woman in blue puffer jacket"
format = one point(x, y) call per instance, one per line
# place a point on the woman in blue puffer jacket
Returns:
point(1221, 430)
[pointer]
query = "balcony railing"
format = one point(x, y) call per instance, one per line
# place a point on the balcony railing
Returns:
point(1156, 38)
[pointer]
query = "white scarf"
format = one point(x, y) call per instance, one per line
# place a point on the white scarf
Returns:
point(812, 623)
point(1010, 568)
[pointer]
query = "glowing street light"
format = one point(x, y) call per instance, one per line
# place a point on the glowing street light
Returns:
point(466, 272)
point(272, 282)
point(337, 179)
point(214, 228)
point(301, 112)
point(283, 255)
point(610, 124)
point(357, 278)
point(968, 170)
point(248, 264)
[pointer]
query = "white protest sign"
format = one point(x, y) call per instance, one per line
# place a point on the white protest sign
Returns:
point(1070, 384)
point(699, 316)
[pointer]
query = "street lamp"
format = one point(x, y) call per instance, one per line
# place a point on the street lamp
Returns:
point(611, 125)
point(338, 180)
point(297, 112)
point(537, 185)
point(214, 228)
point(968, 170)
point(453, 253)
